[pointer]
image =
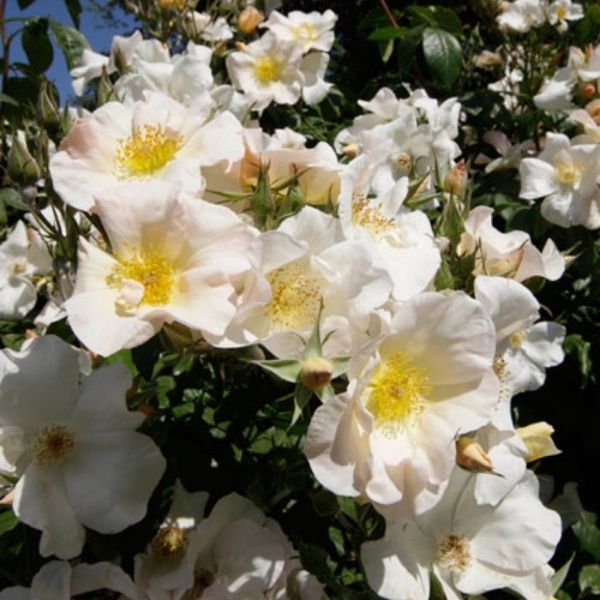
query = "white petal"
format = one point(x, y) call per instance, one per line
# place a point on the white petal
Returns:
point(110, 478)
point(41, 501)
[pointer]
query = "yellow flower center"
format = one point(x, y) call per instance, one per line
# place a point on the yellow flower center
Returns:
point(19, 267)
point(151, 269)
point(567, 173)
point(305, 32)
point(370, 217)
point(267, 70)
point(146, 151)
point(397, 392)
point(517, 338)
point(561, 12)
point(170, 542)
point(454, 552)
point(53, 444)
point(296, 297)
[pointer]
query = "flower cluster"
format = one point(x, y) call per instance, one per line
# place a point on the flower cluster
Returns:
point(352, 268)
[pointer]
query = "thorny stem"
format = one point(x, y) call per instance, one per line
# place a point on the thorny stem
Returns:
point(388, 12)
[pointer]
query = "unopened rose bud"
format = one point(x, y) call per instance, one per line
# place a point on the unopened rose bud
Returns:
point(105, 91)
point(316, 373)
point(471, 456)
point(351, 150)
point(249, 19)
point(538, 439)
point(488, 59)
point(7, 500)
point(454, 182)
point(47, 113)
point(22, 167)
point(587, 91)
point(593, 109)
point(169, 4)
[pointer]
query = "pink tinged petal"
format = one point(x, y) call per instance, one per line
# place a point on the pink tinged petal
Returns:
point(110, 477)
point(102, 404)
point(519, 534)
point(42, 501)
point(43, 388)
point(335, 447)
point(52, 582)
point(537, 179)
point(101, 576)
point(396, 564)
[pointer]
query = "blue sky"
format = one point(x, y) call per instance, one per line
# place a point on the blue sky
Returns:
point(92, 26)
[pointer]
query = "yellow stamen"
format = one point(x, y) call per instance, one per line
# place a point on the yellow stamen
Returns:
point(517, 338)
point(305, 32)
point(146, 151)
point(561, 12)
point(370, 217)
point(267, 70)
point(149, 268)
point(567, 173)
point(170, 542)
point(397, 392)
point(296, 297)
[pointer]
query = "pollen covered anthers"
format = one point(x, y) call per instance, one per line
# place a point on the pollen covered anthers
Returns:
point(171, 542)
point(453, 552)
point(296, 296)
point(397, 392)
point(267, 70)
point(53, 444)
point(149, 268)
point(145, 152)
point(369, 216)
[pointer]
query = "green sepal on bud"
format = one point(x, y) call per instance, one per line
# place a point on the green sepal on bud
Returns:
point(22, 167)
point(47, 111)
point(312, 375)
point(105, 92)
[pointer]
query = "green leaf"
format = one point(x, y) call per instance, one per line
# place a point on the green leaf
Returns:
point(8, 99)
point(10, 197)
point(579, 348)
point(423, 14)
point(287, 370)
point(71, 42)
point(559, 577)
point(588, 534)
point(340, 364)
point(74, 8)
point(406, 49)
point(8, 521)
point(447, 19)
point(387, 33)
point(36, 44)
point(443, 55)
point(589, 579)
